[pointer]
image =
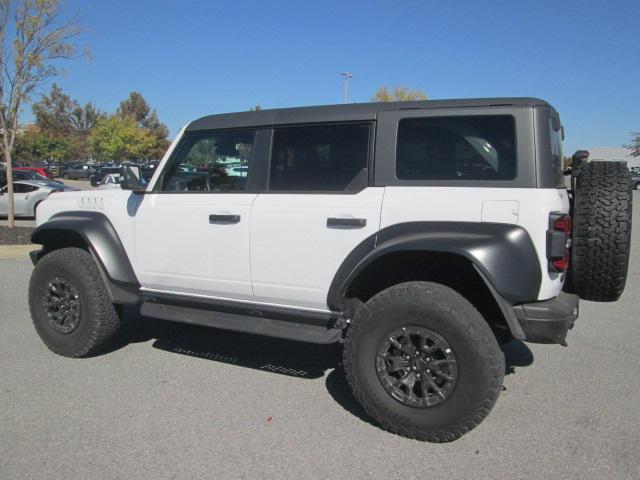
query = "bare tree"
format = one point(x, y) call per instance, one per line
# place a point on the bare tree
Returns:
point(29, 58)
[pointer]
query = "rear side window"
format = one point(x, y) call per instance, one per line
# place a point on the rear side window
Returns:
point(319, 158)
point(22, 188)
point(456, 148)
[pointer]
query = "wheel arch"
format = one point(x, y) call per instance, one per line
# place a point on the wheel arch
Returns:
point(91, 231)
point(494, 265)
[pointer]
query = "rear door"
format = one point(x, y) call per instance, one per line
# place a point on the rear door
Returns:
point(318, 207)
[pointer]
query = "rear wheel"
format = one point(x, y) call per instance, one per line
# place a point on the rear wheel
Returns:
point(69, 304)
point(601, 231)
point(423, 362)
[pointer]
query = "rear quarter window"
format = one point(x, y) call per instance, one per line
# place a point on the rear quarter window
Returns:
point(481, 147)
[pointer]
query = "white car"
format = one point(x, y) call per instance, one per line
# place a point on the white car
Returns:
point(28, 194)
point(110, 181)
point(420, 234)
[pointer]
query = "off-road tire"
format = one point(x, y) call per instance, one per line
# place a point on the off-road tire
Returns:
point(481, 364)
point(601, 237)
point(98, 320)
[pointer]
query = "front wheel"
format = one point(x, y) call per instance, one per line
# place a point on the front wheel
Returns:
point(69, 304)
point(422, 362)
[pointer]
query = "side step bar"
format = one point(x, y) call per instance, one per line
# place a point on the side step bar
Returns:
point(209, 316)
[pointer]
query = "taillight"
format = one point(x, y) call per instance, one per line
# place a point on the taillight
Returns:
point(559, 241)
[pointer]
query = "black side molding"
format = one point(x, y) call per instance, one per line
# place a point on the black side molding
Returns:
point(299, 325)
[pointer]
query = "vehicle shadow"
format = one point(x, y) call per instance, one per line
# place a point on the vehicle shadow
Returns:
point(284, 357)
point(274, 355)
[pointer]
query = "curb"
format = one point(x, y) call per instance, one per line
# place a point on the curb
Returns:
point(16, 252)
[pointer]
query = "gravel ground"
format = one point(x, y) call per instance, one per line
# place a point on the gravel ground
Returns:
point(15, 235)
point(176, 401)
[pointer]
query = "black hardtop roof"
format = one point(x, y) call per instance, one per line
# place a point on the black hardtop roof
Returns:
point(344, 112)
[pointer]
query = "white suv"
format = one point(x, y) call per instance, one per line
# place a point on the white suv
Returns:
point(420, 234)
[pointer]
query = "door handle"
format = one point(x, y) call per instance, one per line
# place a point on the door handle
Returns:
point(333, 222)
point(224, 219)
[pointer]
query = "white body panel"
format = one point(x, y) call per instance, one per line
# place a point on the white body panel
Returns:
point(527, 207)
point(179, 250)
point(294, 255)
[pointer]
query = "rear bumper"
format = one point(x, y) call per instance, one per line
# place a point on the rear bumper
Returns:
point(548, 321)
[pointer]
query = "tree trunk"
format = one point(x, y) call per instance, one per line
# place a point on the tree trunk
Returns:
point(10, 216)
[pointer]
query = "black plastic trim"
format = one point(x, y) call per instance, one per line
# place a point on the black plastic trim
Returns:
point(300, 325)
point(104, 244)
point(548, 321)
point(503, 253)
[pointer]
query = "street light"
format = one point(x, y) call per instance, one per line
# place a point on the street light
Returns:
point(347, 76)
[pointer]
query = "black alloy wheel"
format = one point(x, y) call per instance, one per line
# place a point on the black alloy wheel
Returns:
point(62, 305)
point(416, 366)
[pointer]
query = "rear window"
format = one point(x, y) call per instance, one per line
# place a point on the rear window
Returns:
point(456, 148)
point(556, 154)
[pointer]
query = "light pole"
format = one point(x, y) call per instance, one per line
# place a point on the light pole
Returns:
point(346, 76)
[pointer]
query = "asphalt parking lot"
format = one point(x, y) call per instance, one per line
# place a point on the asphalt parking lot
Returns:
point(175, 401)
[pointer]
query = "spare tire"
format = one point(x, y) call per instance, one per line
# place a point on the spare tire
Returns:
point(602, 205)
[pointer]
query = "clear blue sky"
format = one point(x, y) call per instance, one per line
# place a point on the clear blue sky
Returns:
point(192, 58)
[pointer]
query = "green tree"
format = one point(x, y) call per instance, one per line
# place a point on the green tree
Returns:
point(138, 108)
point(30, 56)
point(33, 145)
point(399, 94)
point(634, 146)
point(120, 138)
point(62, 119)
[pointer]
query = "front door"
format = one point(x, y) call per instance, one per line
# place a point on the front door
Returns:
point(192, 228)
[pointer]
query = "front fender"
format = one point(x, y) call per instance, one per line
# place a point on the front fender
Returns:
point(102, 241)
point(503, 253)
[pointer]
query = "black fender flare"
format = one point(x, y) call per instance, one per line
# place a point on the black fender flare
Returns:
point(103, 243)
point(503, 254)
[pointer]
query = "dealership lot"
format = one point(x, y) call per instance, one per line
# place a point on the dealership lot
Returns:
point(175, 401)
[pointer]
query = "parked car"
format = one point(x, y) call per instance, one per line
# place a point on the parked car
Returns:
point(79, 172)
point(22, 175)
point(635, 179)
point(100, 173)
point(43, 171)
point(420, 234)
point(28, 194)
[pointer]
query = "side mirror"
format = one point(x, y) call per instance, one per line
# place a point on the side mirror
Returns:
point(131, 179)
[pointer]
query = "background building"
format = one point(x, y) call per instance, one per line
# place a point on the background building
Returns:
point(613, 154)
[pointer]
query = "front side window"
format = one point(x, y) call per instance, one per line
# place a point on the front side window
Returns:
point(456, 148)
point(209, 162)
point(319, 158)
